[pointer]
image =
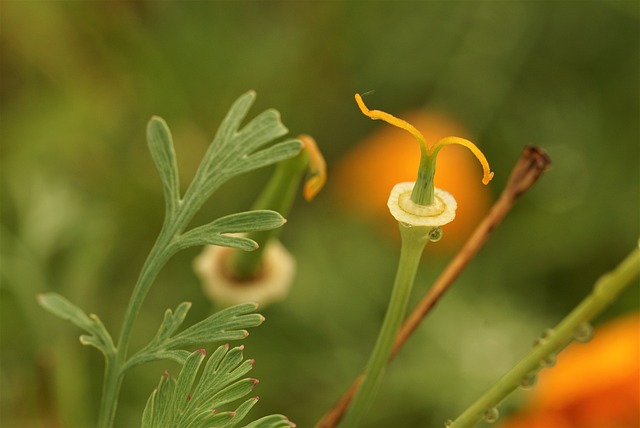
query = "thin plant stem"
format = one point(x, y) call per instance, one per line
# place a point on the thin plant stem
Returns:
point(158, 256)
point(414, 240)
point(110, 392)
point(529, 167)
point(278, 195)
point(114, 369)
point(606, 290)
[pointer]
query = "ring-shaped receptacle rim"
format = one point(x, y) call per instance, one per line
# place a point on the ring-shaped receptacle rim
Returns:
point(441, 212)
point(272, 285)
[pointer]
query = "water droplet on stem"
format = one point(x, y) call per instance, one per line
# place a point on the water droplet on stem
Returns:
point(549, 361)
point(583, 333)
point(544, 336)
point(491, 415)
point(529, 380)
point(435, 235)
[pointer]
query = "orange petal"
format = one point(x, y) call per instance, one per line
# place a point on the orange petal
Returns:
point(317, 169)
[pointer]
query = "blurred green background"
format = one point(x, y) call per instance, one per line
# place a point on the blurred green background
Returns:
point(82, 204)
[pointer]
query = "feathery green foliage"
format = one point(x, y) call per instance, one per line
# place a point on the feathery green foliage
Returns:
point(234, 150)
point(180, 403)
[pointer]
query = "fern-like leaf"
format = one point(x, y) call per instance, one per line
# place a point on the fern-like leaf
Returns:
point(236, 150)
point(181, 404)
point(164, 156)
point(216, 232)
point(99, 336)
point(225, 325)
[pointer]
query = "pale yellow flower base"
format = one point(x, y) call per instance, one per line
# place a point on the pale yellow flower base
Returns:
point(271, 285)
point(403, 209)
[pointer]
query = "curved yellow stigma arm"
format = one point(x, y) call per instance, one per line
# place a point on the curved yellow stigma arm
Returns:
point(377, 114)
point(434, 149)
point(488, 175)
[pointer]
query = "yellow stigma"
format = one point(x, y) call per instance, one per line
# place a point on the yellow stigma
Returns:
point(377, 114)
point(317, 169)
point(488, 175)
point(428, 151)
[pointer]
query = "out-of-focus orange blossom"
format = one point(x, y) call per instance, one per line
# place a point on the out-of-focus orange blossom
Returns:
point(593, 385)
point(364, 177)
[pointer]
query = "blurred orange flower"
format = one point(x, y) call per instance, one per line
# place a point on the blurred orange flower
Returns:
point(593, 385)
point(367, 173)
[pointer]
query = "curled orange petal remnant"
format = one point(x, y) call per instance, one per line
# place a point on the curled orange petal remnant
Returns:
point(317, 169)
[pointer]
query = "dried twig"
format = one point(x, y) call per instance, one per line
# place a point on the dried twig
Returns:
point(531, 164)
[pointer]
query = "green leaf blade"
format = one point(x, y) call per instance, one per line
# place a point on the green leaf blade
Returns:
point(171, 322)
point(276, 153)
point(163, 415)
point(225, 325)
point(230, 125)
point(195, 238)
point(234, 150)
point(265, 127)
point(149, 411)
point(163, 153)
point(234, 392)
point(228, 324)
point(146, 356)
point(211, 368)
point(99, 336)
point(88, 340)
point(216, 377)
point(213, 419)
point(185, 381)
point(208, 405)
point(216, 232)
point(271, 421)
point(62, 308)
point(242, 411)
point(248, 221)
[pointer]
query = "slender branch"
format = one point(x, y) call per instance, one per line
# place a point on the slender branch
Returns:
point(606, 290)
point(529, 167)
point(113, 369)
point(158, 256)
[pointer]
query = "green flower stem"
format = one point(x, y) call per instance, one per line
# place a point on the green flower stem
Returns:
point(606, 290)
point(278, 195)
point(414, 240)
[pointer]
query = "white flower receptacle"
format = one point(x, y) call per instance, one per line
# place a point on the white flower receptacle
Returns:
point(403, 209)
point(272, 284)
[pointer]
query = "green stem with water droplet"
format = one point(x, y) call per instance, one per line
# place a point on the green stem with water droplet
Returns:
point(606, 291)
point(414, 240)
